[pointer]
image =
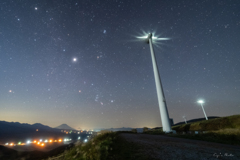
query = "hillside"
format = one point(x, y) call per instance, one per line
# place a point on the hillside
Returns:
point(196, 120)
point(232, 122)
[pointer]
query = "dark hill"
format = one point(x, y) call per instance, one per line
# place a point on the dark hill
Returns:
point(195, 120)
point(229, 122)
point(10, 127)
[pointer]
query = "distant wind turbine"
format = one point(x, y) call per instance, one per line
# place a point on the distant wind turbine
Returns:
point(184, 117)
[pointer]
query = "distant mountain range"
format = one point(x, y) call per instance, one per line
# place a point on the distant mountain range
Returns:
point(65, 126)
point(13, 127)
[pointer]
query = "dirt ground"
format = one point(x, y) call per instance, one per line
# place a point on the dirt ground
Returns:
point(171, 148)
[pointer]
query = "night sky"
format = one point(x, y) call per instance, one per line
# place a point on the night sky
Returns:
point(80, 63)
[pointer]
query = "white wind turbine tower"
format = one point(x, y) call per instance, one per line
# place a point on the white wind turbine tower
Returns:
point(184, 117)
point(160, 94)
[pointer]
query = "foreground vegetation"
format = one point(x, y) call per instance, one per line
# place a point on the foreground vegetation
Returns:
point(107, 146)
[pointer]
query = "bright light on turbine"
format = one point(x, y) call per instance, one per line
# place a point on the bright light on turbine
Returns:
point(201, 101)
point(154, 37)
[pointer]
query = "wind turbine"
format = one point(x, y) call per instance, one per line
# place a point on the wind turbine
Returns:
point(184, 117)
point(150, 38)
point(201, 102)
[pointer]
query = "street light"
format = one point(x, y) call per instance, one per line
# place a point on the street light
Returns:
point(201, 102)
point(160, 94)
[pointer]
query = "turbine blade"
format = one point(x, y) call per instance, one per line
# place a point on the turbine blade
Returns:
point(143, 37)
point(163, 39)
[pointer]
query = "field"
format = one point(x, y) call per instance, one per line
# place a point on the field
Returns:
point(218, 124)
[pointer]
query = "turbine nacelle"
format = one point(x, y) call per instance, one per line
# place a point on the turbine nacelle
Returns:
point(151, 36)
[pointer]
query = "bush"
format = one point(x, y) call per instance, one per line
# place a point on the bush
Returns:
point(97, 148)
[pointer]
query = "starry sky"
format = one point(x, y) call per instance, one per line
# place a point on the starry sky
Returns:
point(79, 62)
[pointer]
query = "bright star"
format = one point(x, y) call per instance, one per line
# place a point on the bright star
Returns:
point(74, 59)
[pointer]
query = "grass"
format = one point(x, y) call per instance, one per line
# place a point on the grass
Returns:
point(221, 130)
point(232, 122)
point(97, 148)
point(107, 146)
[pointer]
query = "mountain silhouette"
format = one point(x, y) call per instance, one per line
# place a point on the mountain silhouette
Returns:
point(65, 126)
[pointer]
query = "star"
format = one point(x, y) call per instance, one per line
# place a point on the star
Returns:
point(74, 59)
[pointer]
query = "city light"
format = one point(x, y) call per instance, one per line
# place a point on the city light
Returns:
point(41, 142)
point(85, 140)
